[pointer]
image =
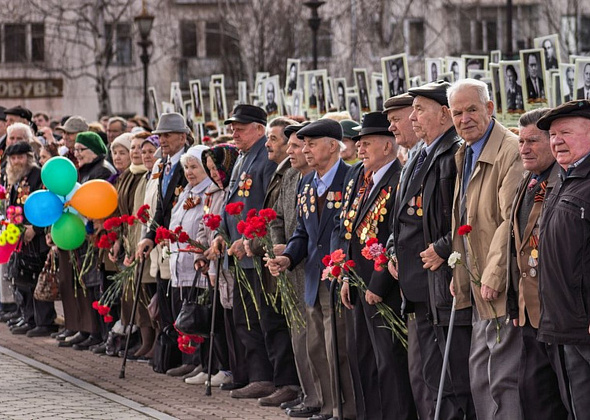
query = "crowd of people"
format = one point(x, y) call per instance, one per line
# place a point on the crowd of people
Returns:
point(443, 216)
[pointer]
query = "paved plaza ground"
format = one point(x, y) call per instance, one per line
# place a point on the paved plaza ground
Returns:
point(39, 380)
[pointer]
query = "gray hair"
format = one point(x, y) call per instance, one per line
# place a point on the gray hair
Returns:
point(531, 118)
point(480, 87)
point(121, 120)
point(29, 136)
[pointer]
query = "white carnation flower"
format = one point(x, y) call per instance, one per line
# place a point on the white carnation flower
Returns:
point(454, 259)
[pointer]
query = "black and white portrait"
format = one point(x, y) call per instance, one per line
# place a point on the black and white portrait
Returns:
point(361, 80)
point(513, 101)
point(292, 75)
point(395, 71)
point(533, 70)
point(197, 101)
point(434, 67)
point(377, 91)
point(340, 93)
point(567, 73)
point(550, 45)
point(354, 106)
point(271, 95)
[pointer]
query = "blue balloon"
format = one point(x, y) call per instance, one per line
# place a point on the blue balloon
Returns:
point(43, 208)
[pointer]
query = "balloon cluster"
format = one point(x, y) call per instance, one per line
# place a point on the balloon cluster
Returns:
point(65, 201)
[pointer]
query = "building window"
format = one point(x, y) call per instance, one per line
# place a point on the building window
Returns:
point(119, 36)
point(415, 37)
point(220, 40)
point(15, 43)
point(37, 42)
point(188, 39)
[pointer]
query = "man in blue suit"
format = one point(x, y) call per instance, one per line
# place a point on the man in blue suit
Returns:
point(320, 202)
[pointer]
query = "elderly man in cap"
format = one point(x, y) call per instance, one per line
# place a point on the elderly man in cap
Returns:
point(18, 114)
point(489, 171)
point(564, 281)
point(320, 202)
point(541, 375)
point(73, 125)
point(248, 184)
point(370, 192)
point(422, 243)
point(23, 177)
point(273, 324)
point(281, 230)
point(172, 130)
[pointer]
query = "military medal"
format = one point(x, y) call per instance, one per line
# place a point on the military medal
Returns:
point(244, 185)
point(411, 211)
point(534, 257)
point(533, 272)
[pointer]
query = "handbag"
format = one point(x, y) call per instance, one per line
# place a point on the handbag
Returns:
point(47, 289)
point(195, 315)
point(166, 353)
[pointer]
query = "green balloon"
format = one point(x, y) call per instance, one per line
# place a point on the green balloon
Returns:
point(59, 175)
point(68, 232)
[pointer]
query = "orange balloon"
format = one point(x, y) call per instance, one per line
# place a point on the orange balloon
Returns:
point(95, 199)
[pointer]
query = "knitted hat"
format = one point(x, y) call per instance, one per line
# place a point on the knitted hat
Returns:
point(224, 156)
point(92, 141)
point(123, 140)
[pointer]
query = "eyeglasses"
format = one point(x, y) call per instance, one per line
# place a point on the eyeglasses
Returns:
point(80, 149)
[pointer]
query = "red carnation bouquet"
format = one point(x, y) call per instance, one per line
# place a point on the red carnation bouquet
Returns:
point(256, 226)
point(187, 342)
point(340, 269)
point(376, 252)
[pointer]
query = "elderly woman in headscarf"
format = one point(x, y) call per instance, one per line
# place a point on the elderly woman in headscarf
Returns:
point(186, 214)
point(83, 328)
point(219, 162)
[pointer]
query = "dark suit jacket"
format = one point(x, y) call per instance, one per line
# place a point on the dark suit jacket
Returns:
point(260, 170)
point(166, 202)
point(580, 93)
point(379, 282)
point(531, 89)
point(312, 236)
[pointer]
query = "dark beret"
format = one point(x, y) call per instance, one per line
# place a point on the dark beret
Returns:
point(247, 114)
point(294, 128)
point(437, 91)
point(398, 102)
point(580, 108)
point(19, 111)
point(322, 128)
point(19, 148)
point(373, 123)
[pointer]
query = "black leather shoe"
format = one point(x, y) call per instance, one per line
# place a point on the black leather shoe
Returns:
point(64, 334)
point(99, 348)
point(22, 329)
point(9, 315)
point(231, 386)
point(15, 321)
point(84, 345)
point(291, 404)
point(42, 331)
point(75, 339)
point(302, 411)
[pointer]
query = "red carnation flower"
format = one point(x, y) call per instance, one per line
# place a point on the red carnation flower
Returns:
point(131, 220)
point(143, 213)
point(103, 242)
point(162, 234)
point(212, 221)
point(251, 213)
point(112, 223)
point(241, 227)
point(349, 264)
point(371, 241)
point(336, 270)
point(103, 309)
point(234, 209)
point(112, 236)
point(268, 214)
point(183, 237)
point(108, 319)
point(326, 260)
point(95, 305)
point(464, 230)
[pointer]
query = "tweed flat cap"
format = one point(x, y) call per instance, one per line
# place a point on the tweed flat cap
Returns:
point(437, 91)
point(74, 124)
point(348, 128)
point(373, 123)
point(398, 102)
point(20, 112)
point(171, 122)
point(246, 114)
point(322, 128)
point(579, 108)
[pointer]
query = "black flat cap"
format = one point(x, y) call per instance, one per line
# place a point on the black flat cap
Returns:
point(294, 128)
point(247, 114)
point(398, 102)
point(373, 123)
point(19, 111)
point(19, 148)
point(322, 128)
point(2, 114)
point(437, 91)
point(580, 108)
point(348, 128)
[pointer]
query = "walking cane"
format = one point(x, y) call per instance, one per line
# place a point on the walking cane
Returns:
point(335, 347)
point(445, 362)
point(139, 273)
point(212, 333)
